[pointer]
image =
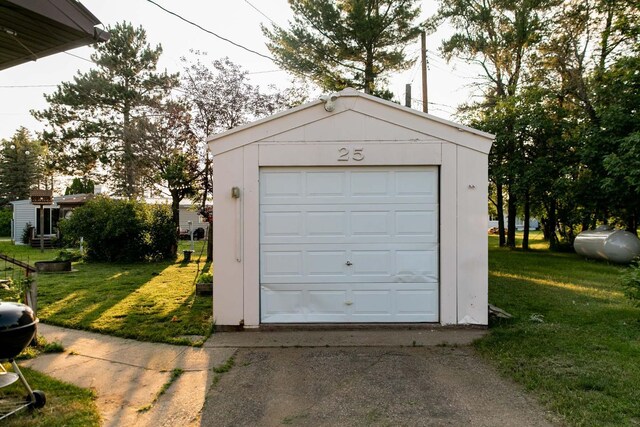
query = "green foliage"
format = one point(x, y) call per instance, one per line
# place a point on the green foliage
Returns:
point(97, 121)
point(581, 362)
point(6, 215)
point(72, 255)
point(15, 289)
point(631, 283)
point(162, 232)
point(21, 166)
point(80, 186)
point(205, 278)
point(347, 43)
point(121, 231)
point(26, 233)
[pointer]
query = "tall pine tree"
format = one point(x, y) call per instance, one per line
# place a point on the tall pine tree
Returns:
point(341, 43)
point(95, 121)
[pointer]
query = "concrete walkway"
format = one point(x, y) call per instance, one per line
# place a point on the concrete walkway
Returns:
point(331, 377)
point(127, 375)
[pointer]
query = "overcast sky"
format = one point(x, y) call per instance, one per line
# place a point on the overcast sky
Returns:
point(22, 87)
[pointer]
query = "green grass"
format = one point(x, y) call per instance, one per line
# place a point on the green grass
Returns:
point(144, 301)
point(583, 358)
point(67, 405)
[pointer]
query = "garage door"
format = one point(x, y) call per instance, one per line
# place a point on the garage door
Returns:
point(349, 244)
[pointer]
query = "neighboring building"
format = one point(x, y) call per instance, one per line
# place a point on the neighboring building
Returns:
point(533, 223)
point(351, 209)
point(25, 214)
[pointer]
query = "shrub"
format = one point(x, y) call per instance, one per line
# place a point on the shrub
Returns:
point(121, 230)
point(72, 255)
point(5, 222)
point(26, 233)
point(205, 278)
point(631, 283)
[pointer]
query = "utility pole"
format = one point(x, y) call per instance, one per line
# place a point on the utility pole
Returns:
point(425, 97)
point(407, 95)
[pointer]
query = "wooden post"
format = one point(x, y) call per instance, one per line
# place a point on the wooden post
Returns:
point(41, 228)
point(425, 97)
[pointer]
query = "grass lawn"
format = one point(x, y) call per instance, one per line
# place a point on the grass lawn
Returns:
point(67, 405)
point(575, 338)
point(145, 301)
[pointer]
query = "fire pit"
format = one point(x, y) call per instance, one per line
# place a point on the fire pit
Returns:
point(17, 329)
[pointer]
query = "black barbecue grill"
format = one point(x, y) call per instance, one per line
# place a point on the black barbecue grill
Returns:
point(17, 329)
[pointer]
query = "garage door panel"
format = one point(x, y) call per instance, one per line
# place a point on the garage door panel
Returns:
point(371, 263)
point(349, 244)
point(346, 302)
point(278, 264)
point(417, 184)
point(328, 263)
point(285, 223)
point(326, 223)
point(340, 225)
point(309, 264)
point(416, 223)
point(324, 184)
point(370, 184)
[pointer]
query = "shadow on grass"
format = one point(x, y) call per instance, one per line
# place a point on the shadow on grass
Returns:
point(151, 302)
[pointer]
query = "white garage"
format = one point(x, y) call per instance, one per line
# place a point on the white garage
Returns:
point(357, 211)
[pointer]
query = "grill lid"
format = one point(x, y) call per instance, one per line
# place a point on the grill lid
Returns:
point(14, 315)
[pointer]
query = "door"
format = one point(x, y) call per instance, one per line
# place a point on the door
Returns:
point(349, 245)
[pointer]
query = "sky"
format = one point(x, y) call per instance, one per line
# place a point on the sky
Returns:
point(22, 87)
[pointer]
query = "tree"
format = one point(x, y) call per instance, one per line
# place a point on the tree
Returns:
point(221, 98)
point(21, 166)
point(173, 158)
point(93, 121)
point(342, 43)
point(80, 186)
point(500, 36)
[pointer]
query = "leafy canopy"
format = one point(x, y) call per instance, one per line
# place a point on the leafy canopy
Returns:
point(346, 43)
point(95, 121)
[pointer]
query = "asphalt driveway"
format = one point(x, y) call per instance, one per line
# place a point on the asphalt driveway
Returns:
point(443, 385)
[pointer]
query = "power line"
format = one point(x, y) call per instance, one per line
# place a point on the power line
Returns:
point(211, 32)
point(23, 86)
point(260, 12)
point(79, 57)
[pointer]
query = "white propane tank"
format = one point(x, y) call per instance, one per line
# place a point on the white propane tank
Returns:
point(610, 245)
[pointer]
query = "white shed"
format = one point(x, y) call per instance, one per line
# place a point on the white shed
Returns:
point(356, 210)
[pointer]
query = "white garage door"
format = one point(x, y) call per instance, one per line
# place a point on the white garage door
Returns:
point(349, 244)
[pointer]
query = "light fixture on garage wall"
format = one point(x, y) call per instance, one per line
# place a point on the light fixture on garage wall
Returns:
point(329, 101)
point(235, 192)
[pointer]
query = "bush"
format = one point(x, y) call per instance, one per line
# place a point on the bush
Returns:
point(6, 214)
point(26, 233)
point(72, 255)
point(631, 283)
point(121, 230)
point(205, 278)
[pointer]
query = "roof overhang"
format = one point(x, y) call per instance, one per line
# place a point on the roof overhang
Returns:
point(32, 29)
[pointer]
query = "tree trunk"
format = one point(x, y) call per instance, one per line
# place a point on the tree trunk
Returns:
point(500, 209)
point(550, 226)
point(368, 73)
point(129, 191)
point(527, 217)
point(210, 242)
point(175, 210)
point(511, 218)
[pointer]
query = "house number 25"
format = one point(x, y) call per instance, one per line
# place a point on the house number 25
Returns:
point(344, 154)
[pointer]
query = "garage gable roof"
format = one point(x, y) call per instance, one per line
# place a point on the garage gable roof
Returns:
point(350, 100)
